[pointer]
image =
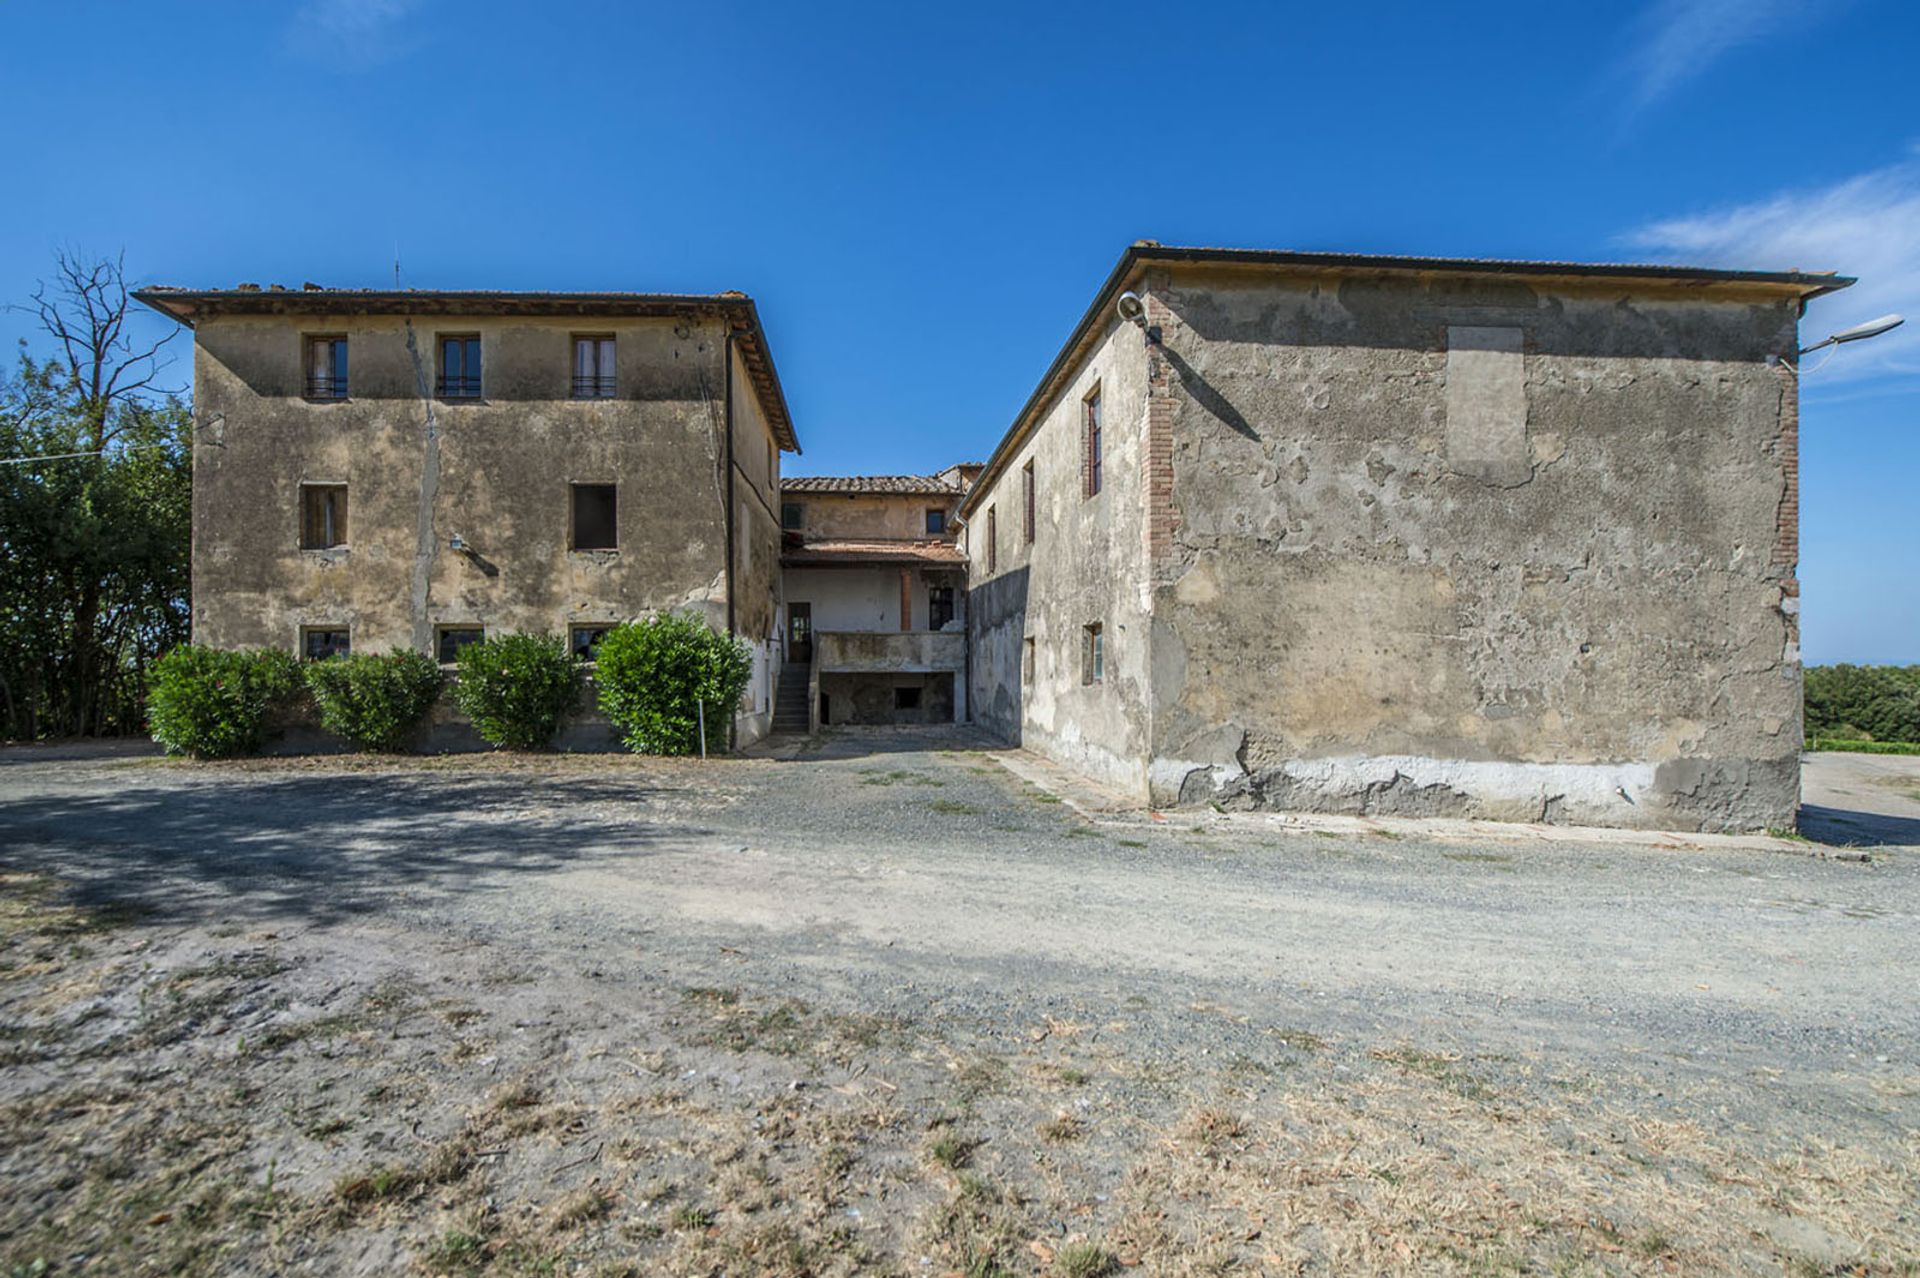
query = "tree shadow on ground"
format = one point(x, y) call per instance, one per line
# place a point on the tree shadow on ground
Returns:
point(320, 849)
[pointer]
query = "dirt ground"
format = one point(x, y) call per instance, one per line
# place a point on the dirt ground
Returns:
point(885, 1007)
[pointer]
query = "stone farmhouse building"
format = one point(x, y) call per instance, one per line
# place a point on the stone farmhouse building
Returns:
point(1295, 530)
point(1370, 534)
point(382, 470)
point(875, 597)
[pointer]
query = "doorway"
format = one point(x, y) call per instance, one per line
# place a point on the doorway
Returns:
point(800, 632)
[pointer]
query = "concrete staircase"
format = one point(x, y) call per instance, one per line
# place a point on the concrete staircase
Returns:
point(790, 710)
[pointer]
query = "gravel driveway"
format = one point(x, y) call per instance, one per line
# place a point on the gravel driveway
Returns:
point(1100, 1043)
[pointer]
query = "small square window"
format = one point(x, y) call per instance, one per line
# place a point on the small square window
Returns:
point(936, 522)
point(595, 521)
point(320, 642)
point(459, 368)
point(792, 517)
point(326, 368)
point(323, 516)
point(586, 639)
point(593, 376)
point(1094, 655)
point(906, 698)
point(449, 640)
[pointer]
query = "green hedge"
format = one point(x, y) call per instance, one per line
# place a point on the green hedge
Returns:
point(654, 676)
point(518, 689)
point(376, 701)
point(213, 703)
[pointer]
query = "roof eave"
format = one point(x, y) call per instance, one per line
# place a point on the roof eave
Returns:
point(1138, 256)
point(188, 306)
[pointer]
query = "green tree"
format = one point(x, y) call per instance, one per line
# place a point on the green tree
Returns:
point(1863, 703)
point(95, 514)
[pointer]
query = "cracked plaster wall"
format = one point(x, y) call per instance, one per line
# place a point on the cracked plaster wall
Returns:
point(495, 471)
point(1389, 593)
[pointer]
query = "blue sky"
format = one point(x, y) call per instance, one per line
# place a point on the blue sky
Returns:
point(923, 198)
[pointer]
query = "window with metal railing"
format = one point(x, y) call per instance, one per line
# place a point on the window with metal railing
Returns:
point(459, 368)
point(593, 376)
point(326, 368)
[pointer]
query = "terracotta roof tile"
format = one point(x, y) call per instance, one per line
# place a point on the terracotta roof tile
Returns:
point(927, 484)
point(848, 551)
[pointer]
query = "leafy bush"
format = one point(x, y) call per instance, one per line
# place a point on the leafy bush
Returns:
point(374, 700)
point(518, 689)
point(1864, 703)
point(654, 675)
point(212, 703)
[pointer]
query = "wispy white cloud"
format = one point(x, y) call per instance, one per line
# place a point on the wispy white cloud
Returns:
point(1674, 40)
point(1866, 226)
point(352, 34)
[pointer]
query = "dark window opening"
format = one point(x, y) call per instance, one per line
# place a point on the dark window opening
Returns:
point(323, 516)
point(1026, 493)
point(595, 526)
point(936, 522)
point(320, 643)
point(939, 607)
point(1092, 411)
point(326, 368)
point(791, 516)
point(459, 368)
point(586, 640)
point(993, 540)
point(593, 376)
point(451, 639)
point(906, 698)
point(1094, 655)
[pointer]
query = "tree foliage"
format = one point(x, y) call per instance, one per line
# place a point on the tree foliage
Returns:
point(375, 700)
point(1863, 703)
point(655, 675)
point(518, 689)
point(95, 521)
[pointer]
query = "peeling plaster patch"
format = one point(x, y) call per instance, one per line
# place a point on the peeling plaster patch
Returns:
point(1409, 785)
point(1487, 405)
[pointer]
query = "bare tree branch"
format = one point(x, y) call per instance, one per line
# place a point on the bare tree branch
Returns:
point(84, 310)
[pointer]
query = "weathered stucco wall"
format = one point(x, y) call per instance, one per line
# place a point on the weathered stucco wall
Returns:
point(888, 517)
point(1471, 548)
point(1087, 564)
point(756, 459)
point(496, 472)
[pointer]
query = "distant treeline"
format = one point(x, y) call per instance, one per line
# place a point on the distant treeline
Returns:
point(1863, 703)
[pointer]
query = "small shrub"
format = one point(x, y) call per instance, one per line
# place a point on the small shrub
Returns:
point(374, 700)
point(654, 676)
point(518, 689)
point(213, 703)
